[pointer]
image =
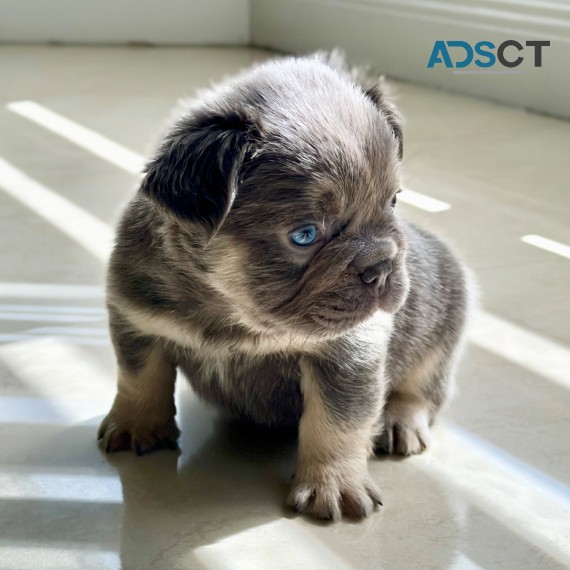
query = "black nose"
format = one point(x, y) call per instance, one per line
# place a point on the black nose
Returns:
point(376, 274)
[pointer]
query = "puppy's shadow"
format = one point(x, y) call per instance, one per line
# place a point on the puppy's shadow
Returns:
point(240, 464)
point(229, 476)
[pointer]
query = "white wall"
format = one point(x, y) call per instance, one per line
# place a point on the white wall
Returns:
point(120, 21)
point(396, 37)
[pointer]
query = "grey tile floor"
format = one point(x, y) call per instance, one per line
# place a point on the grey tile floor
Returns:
point(493, 492)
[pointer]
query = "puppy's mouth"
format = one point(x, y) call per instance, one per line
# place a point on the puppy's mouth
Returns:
point(343, 316)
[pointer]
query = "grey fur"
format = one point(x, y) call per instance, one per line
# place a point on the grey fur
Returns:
point(356, 336)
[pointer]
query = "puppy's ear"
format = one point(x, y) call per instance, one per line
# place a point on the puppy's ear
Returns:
point(390, 112)
point(195, 172)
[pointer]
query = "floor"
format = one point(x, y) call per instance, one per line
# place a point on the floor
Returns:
point(494, 491)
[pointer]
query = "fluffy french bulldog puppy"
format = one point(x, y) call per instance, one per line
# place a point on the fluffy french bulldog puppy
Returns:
point(263, 257)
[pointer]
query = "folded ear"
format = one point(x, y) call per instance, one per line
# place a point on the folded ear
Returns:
point(195, 172)
point(390, 112)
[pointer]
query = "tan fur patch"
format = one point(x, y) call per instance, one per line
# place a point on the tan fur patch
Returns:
point(191, 337)
point(151, 387)
point(422, 374)
point(321, 438)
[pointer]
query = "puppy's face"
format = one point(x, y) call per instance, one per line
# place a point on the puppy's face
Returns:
point(291, 175)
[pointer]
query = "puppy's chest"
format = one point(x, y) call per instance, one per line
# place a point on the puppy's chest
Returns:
point(236, 373)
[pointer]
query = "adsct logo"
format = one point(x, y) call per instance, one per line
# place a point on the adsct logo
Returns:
point(504, 58)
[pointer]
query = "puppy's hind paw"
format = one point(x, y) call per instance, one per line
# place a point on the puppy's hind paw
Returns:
point(116, 434)
point(406, 429)
point(402, 440)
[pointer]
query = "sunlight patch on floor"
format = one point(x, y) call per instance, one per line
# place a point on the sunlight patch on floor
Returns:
point(280, 545)
point(525, 500)
point(87, 139)
point(78, 224)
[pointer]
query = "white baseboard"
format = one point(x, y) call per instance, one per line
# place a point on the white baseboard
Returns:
point(190, 22)
point(396, 37)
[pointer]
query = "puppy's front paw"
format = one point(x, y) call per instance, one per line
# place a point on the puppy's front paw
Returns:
point(119, 433)
point(406, 428)
point(327, 493)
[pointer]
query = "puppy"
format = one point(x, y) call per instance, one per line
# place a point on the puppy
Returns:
point(263, 256)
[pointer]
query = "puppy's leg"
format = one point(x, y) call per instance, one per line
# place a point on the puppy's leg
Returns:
point(142, 416)
point(413, 403)
point(339, 421)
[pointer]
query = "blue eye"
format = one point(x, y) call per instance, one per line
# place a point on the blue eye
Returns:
point(304, 235)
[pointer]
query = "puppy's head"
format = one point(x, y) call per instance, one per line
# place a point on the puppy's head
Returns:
point(289, 175)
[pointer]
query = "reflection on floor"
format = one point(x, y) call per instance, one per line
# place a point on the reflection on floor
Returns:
point(492, 493)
